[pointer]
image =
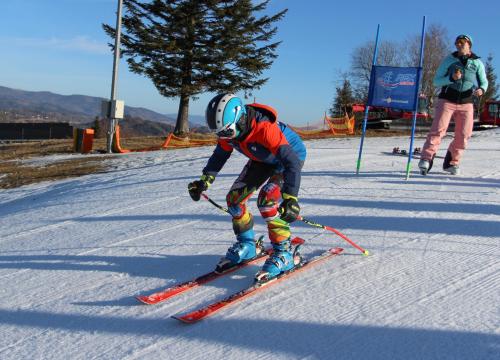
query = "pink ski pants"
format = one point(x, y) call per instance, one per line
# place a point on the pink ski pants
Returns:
point(463, 116)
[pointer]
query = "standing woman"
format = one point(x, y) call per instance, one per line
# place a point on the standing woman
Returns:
point(457, 76)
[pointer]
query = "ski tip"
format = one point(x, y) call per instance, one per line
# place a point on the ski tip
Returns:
point(144, 299)
point(184, 319)
point(366, 253)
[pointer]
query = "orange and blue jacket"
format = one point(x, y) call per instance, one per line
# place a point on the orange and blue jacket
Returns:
point(268, 141)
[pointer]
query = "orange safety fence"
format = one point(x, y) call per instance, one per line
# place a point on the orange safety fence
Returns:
point(178, 142)
point(337, 126)
point(341, 125)
point(312, 134)
point(171, 142)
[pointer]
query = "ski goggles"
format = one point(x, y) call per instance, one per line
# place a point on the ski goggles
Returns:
point(227, 132)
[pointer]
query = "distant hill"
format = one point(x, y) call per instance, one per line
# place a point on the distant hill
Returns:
point(134, 126)
point(196, 120)
point(27, 106)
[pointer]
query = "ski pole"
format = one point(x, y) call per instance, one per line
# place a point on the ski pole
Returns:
point(306, 221)
point(329, 228)
point(214, 203)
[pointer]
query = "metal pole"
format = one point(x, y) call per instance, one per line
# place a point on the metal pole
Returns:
point(365, 119)
point(419, 74)
point(116, 58)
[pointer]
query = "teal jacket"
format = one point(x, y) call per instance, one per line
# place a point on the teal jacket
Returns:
point(460, 91)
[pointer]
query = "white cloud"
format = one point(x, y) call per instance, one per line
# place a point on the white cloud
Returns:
point(78, 43)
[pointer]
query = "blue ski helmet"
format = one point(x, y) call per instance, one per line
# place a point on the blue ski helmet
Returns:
point(223, 113)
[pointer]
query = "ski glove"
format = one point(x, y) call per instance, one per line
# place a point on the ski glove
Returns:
point(289, 208)
point(195, 188)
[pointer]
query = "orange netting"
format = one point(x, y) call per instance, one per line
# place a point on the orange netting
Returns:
point(341, 125)
point(312, 134)
point(178, 142)
point(171, 142)
point(336, 126)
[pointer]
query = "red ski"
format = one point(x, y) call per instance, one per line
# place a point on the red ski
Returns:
point(167, 293)
point(210, 309)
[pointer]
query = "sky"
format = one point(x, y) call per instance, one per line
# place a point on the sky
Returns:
point(59, 46)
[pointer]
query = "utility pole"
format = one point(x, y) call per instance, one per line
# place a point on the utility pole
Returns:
point(111, 108)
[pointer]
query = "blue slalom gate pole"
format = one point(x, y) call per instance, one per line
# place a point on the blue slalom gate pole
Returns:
point(365, 119)
point(419, 75)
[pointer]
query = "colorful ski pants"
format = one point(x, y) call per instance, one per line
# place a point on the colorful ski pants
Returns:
point(463, 116)
point(253, 175)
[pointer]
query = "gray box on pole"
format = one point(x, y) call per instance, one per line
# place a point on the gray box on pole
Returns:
point(114, 109)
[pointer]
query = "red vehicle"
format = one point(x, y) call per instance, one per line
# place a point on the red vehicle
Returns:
point(387, 113)
point(382, 117)
point(491, 113)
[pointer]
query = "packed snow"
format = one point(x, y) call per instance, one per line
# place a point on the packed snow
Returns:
point(75, 252)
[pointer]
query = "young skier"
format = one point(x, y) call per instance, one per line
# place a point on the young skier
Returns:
point(276, 155)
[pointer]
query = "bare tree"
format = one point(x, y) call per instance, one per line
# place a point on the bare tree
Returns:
point(388, 54)
point(436, 48)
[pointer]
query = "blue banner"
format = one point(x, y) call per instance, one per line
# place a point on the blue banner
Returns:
point(394, 87)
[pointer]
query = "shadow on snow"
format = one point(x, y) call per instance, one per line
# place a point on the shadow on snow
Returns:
point(285, 337)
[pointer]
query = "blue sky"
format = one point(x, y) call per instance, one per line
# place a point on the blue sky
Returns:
point(59, 46)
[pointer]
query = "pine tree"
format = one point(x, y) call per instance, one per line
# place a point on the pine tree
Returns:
point(343, 99)
point(97, 127)
point(492, 91)
point(187, 47)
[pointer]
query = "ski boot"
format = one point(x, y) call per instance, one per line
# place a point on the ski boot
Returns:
point(283, 259)
point(452, 169)
point(244, 249)
point(426, 165)
point(446, 161)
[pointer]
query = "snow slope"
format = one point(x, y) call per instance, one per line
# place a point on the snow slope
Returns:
point(73, 253)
